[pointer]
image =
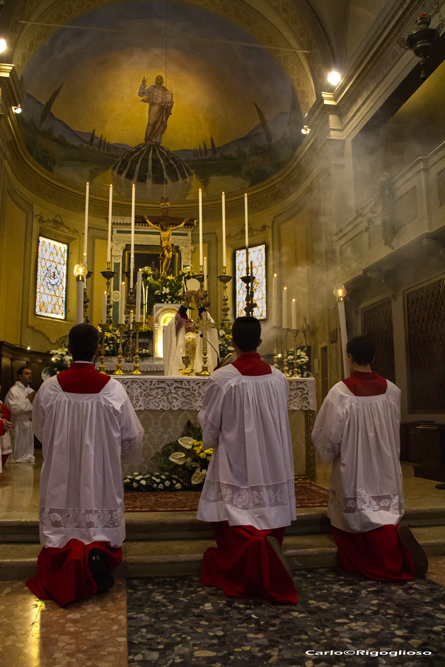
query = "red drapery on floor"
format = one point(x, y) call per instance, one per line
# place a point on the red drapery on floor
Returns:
point(377, 554)
point(245, 565)
point(63, 574)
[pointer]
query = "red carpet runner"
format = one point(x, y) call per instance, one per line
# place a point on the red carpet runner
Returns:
point(306, 495)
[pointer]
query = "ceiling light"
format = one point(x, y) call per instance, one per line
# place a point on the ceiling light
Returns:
point(305, 129)
point(2, 44)
point(334, 78)
point(17, 109)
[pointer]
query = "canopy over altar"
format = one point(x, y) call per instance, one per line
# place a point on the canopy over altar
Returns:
point(165, 404)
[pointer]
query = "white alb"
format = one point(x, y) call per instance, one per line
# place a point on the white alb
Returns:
point(21, 412)
point(83, 439)
point(250, 480)
point(360, 435)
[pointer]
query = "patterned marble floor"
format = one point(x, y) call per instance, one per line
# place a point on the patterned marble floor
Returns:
point(177, 621)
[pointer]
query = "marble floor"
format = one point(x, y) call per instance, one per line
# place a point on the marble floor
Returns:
point(176, 621)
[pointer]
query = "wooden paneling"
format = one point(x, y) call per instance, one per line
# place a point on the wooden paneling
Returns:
point(377, 325)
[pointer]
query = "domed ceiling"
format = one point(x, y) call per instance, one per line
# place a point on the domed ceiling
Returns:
point(225, 115)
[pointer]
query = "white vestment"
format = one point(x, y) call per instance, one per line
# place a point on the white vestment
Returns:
point(83, 438)
point(21, 411)
point(250, 480)
point(174, 346)
point(5, 444)
point(360, 434)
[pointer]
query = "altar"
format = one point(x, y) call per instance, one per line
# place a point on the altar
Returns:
point(165, 404)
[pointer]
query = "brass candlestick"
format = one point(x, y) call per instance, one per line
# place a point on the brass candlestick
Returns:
point(108, 275)
point(225, 279)
point(103, 327)
point(249, 281)
point(295, 333)
point(119, 370)
point(285, 364)
point(136, 327)
point(86, 299)
point(204, 325)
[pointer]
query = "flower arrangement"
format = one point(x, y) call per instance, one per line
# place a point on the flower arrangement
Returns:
point(303, 362)
point(225, 341)
point(152, 482)
point(185, 458)
point(164, 289)
point(60, 359)
point(111, 341)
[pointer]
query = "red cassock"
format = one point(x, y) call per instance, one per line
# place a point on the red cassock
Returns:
point(378, 554)
point(63, 574)
point(244, 564)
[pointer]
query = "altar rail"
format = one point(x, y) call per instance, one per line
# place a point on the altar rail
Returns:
point(164, 404)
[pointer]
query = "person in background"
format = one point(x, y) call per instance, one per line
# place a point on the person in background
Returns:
point(86, 424)
point(19, 400)
point(248, 493)
point(357, 429)
point(6, 426)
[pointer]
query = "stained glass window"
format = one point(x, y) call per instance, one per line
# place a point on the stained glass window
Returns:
point(257, 255)
point(51, 278)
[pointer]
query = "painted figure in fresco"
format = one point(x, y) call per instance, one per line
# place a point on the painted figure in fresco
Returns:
point(165, 229)
point(160, 101)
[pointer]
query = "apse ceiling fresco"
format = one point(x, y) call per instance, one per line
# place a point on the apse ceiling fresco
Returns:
point(160, 95)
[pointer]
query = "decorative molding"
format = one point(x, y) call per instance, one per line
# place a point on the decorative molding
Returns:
point(253, 231)
point(57, 224)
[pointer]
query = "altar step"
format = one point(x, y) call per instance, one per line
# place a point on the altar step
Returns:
point(179, 526)
point(180, 557)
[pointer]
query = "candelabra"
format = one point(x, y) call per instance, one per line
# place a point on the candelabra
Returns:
point(249, 281)
point(285, 364)
point(119, 370)
point(104, 326)
point(136, 327)
point(295, 374)
point(86, 299)
point(108, 275)
point(225, 279)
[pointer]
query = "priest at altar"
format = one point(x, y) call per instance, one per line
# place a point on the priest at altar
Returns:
point(181, 339)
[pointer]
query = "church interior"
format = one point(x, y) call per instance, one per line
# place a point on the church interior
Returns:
point(303, 136)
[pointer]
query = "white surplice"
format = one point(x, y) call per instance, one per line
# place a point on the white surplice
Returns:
point(250, 480)
point(174, 346)
point(83, 438)
point(21, 412)
point(360, 435)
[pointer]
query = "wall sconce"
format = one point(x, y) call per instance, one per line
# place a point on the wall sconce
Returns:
point(17, 109)
point(334, 78)
point(305, 129)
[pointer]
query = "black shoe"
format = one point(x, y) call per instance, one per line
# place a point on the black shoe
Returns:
point(99, 571)
point(416, 550)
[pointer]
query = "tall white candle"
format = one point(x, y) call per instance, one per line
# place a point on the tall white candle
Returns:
point(293, 312)
point(285, 308)
point(79, 313)
point(131, 318)
point(122, 305)
point(275, 301)
point(205, 274)
point(224, 228)
point(200, 227)
point(110, 213)
point(138, 296)
point(104, 308)
point(85, 244)
point(133, 207)
point(246, 220)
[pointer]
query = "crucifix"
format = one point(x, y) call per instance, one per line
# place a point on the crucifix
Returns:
point(204, 325)
point(165, 226)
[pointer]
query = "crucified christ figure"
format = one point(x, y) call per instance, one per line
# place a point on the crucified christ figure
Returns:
point(166, 247)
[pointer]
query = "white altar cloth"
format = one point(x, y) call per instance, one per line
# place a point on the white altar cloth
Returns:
point(164, 404)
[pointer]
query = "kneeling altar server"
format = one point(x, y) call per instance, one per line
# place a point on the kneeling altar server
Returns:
point(248, 493)
point(86, 423)
point(357, 429)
